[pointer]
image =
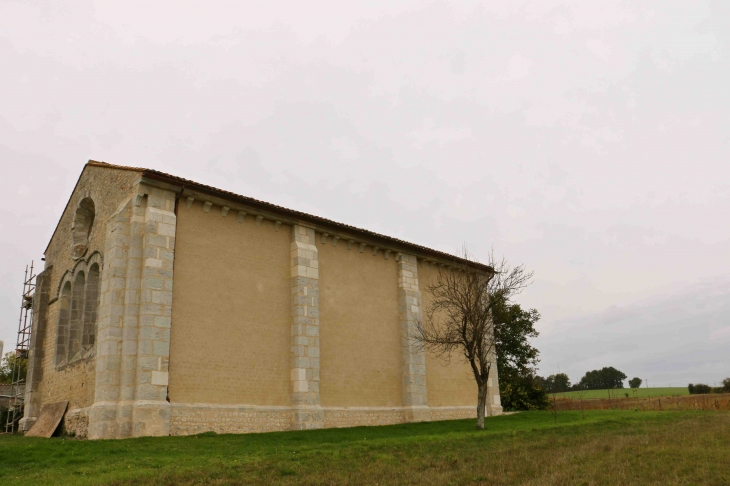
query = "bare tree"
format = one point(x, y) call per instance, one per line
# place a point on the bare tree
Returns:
point(553, 406)
point(580, 392)
point(459, 318)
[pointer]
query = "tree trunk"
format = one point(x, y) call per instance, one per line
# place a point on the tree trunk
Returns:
point(481, 405)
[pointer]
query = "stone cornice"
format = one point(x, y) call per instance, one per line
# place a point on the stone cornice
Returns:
point(224, 201)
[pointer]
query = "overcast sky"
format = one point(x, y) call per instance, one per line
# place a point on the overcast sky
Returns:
point(588, 140)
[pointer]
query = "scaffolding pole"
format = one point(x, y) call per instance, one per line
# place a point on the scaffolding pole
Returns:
point(22, 348)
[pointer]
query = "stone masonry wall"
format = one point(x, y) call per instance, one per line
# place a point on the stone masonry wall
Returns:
point(108, 188)
point(76, 423)
point(229, 419)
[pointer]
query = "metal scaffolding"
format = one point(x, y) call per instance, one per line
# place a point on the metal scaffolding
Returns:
point(22, 348)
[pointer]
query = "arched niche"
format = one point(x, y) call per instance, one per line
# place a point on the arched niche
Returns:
point(82, 225)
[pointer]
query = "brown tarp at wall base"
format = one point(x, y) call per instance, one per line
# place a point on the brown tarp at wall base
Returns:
point(47, 423)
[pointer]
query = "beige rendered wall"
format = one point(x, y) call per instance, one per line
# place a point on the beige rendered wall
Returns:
point(359, 328)
point(448, 383)
point(231, 322)
point(109, 188)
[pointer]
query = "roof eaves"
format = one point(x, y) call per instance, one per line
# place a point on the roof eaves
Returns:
point(263, 205)
point(318, 220)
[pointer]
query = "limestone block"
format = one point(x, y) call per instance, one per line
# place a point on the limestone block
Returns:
point(153, 263)
point(160, 378)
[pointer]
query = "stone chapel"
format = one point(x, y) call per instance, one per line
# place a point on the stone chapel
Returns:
point(168, 307)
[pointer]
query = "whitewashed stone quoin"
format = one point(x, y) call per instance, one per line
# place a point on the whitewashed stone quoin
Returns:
point(415, 400)
point(305, 330)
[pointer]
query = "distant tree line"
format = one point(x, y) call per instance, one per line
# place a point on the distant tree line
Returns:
point(605, 378)
point(555, 383)
point(701, 389)
point(611, 378)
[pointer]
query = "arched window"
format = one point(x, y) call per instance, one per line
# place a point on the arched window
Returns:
point(63, 323)
point(77, 318)
point(91, 304)
point(78, 310)
point(83, 222)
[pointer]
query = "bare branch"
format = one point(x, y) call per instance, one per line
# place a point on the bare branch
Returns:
point(459, 318)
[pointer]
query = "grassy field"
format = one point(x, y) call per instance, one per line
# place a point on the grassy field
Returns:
point(640, 393)
point(607, 447)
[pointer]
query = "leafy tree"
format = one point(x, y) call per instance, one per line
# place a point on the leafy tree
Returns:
point(6, 368)
point(726, 385)
point(699, 389)
point(558, 383)
point(519, 388)
point(522, 392)
point(635, 382)
point(513, 328)
point(605, 378)
point(543, 383)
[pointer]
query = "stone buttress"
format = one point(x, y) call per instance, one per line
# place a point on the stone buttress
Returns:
point(307, 410)
point(133, 343)
point(415, 400)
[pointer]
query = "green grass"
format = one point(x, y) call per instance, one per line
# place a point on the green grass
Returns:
point(640, 393)
point(607, 447)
